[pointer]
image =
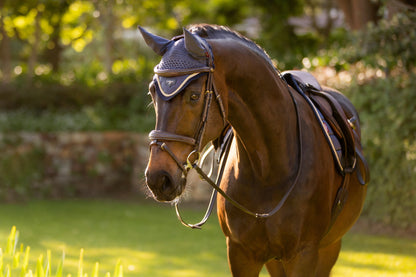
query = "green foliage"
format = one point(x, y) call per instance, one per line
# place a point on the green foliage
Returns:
point(386, 109)
point(381, 60)
point(389, 45)
point(53, 107)
point(90, 118)
point(79, 64)
point(86, 40)
point(14, 262)
point(19, 170)
point(277, 36)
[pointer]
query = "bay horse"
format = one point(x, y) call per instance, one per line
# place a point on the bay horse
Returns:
point(212, 77)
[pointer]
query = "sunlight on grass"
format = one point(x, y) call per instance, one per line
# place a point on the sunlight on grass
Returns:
point(148, 241)
point(364, 255)
point(374, 264)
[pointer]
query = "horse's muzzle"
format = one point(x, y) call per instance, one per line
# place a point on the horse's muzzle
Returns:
point(163, 187)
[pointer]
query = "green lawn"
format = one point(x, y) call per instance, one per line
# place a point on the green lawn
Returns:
point(149, 240)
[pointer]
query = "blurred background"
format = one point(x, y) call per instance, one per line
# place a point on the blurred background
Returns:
point(74, 110)
point(74, 118)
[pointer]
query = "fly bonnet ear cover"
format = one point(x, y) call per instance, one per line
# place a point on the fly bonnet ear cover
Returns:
point(184, 59)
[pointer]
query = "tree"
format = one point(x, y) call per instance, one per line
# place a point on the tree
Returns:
point(5, 51)
point(359, 12)
point(55, 11)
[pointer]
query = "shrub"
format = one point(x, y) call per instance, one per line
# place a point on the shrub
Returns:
point(19, 170)
point(389, 138)
point(389, 45)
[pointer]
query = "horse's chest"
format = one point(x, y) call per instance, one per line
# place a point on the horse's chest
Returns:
point(254, 236)
point(242, 228)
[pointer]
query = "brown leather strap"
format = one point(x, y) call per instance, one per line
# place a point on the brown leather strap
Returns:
point(166, 148)
point(166, 136)
point(339, 201)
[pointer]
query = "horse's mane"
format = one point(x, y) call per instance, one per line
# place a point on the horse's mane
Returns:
point(221, 32)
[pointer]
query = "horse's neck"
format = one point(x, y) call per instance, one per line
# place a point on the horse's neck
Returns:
point(263, 116)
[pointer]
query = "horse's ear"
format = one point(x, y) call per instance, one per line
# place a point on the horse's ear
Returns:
point(158, 44)
point(193, 45)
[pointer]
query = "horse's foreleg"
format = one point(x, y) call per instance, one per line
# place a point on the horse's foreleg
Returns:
point(242, 262)
point(275, 268)
point(304, 264)
point(327, 258)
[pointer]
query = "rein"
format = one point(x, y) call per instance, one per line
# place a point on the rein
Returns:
point(216, 187)
point(159, 138)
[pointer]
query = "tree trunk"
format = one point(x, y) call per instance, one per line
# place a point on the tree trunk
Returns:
point(328, 6)
point(107, 19)
point(53, 54)
point(5, 54)
point(33, 58)
point(358, 12)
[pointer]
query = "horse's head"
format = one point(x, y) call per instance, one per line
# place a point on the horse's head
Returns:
point(188, 115)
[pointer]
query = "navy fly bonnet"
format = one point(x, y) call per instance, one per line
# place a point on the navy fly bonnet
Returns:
point(184, 59)
point(179, 66)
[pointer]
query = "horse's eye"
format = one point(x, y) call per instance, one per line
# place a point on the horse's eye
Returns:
point(195, 96)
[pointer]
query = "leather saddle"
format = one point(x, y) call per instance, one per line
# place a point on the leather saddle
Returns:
point(338, 121)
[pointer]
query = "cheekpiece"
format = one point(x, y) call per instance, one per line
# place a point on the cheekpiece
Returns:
point(178, 68)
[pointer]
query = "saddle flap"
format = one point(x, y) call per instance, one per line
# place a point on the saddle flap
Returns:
point(339, 120)
point(325, 108)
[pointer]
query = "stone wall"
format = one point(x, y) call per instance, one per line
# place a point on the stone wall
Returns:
point(90, 164)
point(71, 164)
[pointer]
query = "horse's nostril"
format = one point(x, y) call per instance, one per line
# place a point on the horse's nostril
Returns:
point(160, 181)
point(165, 182)
point(162, 185)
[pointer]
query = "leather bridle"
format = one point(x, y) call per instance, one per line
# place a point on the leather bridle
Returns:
point(160, 138)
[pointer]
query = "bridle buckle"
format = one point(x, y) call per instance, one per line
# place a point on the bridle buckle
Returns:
point(190, 163)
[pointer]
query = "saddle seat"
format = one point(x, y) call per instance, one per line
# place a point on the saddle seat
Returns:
point(338, 120)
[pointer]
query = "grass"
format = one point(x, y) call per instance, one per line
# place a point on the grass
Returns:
point(149, 241)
